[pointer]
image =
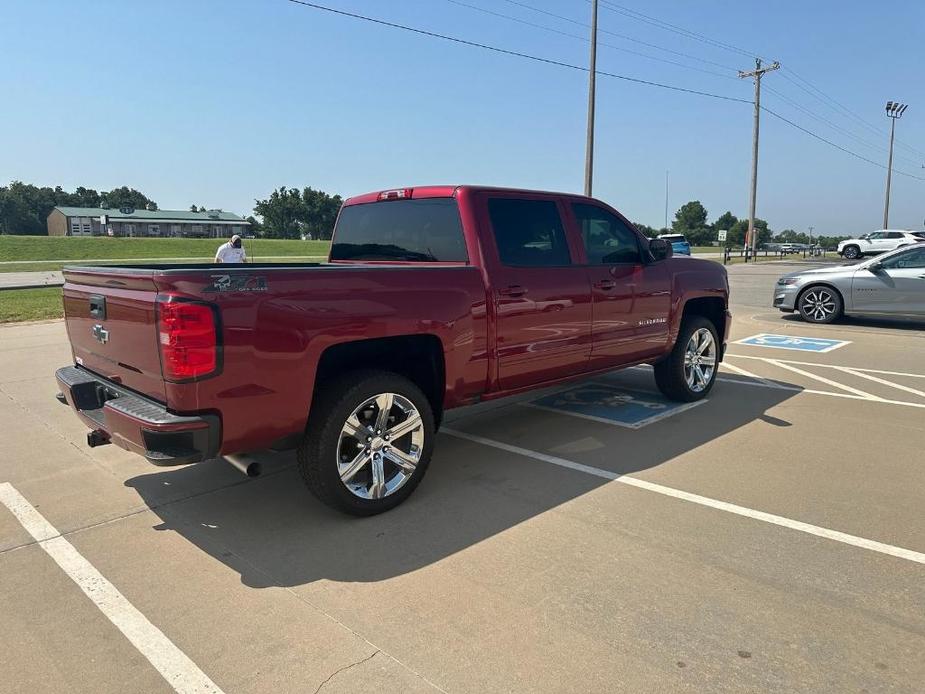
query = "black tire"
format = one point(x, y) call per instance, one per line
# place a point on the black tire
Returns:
point(319, 452)
point(828, 304)
point(670, 372)
point(852, 252)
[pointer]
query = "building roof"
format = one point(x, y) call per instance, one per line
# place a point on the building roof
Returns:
point(153, 215)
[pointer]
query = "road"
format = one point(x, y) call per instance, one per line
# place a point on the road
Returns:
point(770, 539)
point(23, 280)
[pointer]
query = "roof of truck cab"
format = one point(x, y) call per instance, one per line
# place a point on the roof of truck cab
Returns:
point(445, 191)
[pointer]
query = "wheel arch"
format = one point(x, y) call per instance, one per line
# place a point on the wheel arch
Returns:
point(419, 358)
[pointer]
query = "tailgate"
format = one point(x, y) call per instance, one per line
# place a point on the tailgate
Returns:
point(111, 322)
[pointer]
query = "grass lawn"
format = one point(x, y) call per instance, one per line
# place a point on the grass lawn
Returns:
point(68, 248)
point(30, 304)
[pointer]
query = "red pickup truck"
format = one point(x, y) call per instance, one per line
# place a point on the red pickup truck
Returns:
point(432, 298)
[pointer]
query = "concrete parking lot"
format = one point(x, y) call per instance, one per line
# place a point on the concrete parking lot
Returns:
point(588, 539)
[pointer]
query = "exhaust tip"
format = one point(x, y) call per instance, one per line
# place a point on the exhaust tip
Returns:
point(247, 465)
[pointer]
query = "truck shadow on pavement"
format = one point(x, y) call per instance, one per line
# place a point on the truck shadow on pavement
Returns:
point(274, 533)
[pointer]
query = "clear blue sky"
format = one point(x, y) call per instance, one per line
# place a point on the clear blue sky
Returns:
point(216, 102)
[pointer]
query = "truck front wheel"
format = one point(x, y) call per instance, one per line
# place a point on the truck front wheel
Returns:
point(368, 442)
point(688, 373)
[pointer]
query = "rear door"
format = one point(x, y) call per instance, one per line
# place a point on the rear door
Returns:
point(111, 322)
point(542, 298)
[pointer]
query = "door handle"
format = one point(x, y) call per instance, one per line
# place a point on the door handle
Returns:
point(513, 290)
point(606, 285)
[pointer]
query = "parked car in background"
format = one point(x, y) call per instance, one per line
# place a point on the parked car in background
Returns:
point(890, 285)
point(679, 243)
point(432, 298)
point(878, 242)
point(788, 248)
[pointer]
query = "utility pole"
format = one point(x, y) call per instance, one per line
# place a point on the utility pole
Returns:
point(894, 110)
point(592, 72)
point(666, 201)
point(811, 235)
point(757, 73)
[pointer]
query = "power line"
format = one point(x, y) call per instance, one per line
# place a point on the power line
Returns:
point(823, 119)
point(661, 24)
point(836, 146)
point(829, 101)
point(558, 63)
point(584, 39)
point(809, 88)
point(518, 54)
point(621, 36)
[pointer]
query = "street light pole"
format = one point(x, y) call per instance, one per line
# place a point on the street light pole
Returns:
point(666, 201)
point(894, 110)
point(592, 71)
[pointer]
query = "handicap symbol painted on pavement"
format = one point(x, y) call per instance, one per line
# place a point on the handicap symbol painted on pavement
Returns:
point(611, 405)
point(802, 344)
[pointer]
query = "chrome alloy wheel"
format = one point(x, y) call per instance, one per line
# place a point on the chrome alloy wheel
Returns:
point(700, 360)
point(380, 446)
point(818, 304)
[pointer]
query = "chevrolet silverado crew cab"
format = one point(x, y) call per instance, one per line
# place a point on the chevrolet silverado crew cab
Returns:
point(432, 298)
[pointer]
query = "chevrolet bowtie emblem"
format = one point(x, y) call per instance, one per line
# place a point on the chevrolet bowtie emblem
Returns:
point(100, 333)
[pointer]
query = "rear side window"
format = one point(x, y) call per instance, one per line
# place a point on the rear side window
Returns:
point(528, 233)
point(608, 240)
point(427, 230)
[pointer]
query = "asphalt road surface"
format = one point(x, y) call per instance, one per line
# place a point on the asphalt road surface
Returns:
point(588, 539)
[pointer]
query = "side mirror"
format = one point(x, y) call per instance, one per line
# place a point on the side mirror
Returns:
point(660, 249)
point(875, 266)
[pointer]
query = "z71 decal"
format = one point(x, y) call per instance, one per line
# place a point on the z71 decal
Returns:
point(237, 283)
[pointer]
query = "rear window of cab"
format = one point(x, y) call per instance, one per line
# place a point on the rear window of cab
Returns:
point(425, 230)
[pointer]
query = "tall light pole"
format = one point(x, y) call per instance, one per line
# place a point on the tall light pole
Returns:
point(666, 201)
point(894, 110)
point(592, 71)
point(757, 73)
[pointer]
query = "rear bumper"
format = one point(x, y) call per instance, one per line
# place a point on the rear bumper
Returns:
point(135, 423)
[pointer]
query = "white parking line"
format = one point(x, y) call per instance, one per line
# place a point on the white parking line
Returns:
point(852, 393)
point(799, 526)
point(828, 366)
point(174, 666)
point(742, 372)
point(823, 379)
point(883, 381)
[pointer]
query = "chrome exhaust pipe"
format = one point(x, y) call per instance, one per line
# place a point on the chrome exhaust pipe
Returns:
point(246, 463)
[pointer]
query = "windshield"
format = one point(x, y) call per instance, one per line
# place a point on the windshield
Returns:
point(426, 230)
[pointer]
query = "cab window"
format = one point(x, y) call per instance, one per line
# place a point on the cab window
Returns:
point(607, 238)
point(528, 233)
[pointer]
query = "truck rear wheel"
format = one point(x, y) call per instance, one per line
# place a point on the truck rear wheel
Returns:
point(689, 372)
point(368, 442)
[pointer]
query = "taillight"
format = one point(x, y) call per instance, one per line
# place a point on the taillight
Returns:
point(400, 194)
point(188, 339)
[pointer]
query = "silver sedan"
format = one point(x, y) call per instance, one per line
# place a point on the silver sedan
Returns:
point(892, 284)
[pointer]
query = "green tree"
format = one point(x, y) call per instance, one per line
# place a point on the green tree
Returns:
point(651, 232)
point(320, 212)
point(126, 197)
point(289, 213)
point(691, 220)
point(725, 221)
point(737, 233)
point(691, 215)
point(281, 213)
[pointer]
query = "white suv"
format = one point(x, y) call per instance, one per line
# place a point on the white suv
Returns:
point(878, 242)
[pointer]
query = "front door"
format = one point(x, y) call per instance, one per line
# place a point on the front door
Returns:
point(896, 287)
point(542, 299)
point(630, 298)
